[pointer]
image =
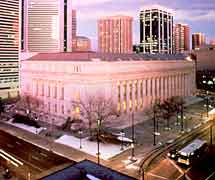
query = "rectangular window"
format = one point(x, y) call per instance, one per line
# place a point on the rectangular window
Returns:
point(62, 109)
point(124, 106)
point(55, 92)
point(62, 93)
point(146, 87)
point(124, 92)
point(49, 91)
point(141, 94)
point(49, 107)
point(55, 108)
point(42, 90)
point(37, 89)
point(130, 92)
point(119, 98)
point(136, 95)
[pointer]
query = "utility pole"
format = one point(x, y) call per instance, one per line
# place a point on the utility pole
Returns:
point(154, 122)
point(211, 134)
point(133, 159)
point(207, 104)
point(182, 117)
point(98, 140)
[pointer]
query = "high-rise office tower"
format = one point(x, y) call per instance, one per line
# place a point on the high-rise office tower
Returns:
point(9, 48)
point(156, 30)
point(212, 42)
point(49, 25)
point(198, 39)
point(181, 38)
point(115, 34)
point(23, 22)
point(74, 24)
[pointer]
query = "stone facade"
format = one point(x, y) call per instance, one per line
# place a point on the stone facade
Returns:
point(132, 84)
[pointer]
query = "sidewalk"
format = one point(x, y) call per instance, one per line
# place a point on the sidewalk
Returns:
point(143, 135)
point(46, 143)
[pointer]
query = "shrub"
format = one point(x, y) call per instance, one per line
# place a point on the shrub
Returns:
point(18, 118)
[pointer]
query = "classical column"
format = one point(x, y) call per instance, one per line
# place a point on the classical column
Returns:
point(138, 94)
point(162, 88)
point(133, 95)
point(121, 85)
point(179, 84)
point(144, 93)
point(153, 90)
point(59, 92)
point(166, 87)
point(182, 84)
point(170, 86)
point(174, 86)
point(158, 87)
point(33, 88)
point(127, 96)
point(149, 93)
point(187, 85)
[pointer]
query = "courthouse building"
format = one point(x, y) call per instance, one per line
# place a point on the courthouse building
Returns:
point(133, 81)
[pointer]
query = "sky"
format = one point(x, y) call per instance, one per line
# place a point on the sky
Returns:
point(199, 14)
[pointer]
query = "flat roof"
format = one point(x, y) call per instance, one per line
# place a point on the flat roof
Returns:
point(92, 56)
point(86, 169)
point(156, 6)
point(190, 148)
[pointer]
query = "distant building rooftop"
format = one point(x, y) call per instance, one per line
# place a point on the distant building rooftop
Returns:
point(116, 17)
point(90, 56)
point(87, 170)
point(156, 6)
point(82, 37)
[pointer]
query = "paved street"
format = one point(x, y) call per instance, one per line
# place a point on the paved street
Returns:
point(164, 168)
point(35, 159)
point(143, 136)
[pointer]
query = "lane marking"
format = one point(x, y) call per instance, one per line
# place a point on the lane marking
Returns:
point(210, 176)
point(154, 175)
point(177, 167)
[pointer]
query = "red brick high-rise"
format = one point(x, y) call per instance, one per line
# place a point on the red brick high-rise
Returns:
point(198, 40)
point(181, 38)
point(115, 34)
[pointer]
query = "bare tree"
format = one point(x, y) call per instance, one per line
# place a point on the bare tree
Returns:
point(178, 103)
point(95, 108)
point(29, 103)
point(168, 110)
point(2, 107)
point(171, 106)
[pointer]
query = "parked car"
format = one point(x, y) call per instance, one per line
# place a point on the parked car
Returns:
point(173, 154)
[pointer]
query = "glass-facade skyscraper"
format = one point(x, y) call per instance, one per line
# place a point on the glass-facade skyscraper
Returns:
point(156, 30)
point(48, 25)
point(9, 48)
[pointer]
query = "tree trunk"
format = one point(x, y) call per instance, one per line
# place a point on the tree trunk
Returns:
point(90, 127)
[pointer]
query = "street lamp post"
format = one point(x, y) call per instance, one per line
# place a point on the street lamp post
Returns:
point(133, 159)
point(207, 103)
point(143, 174)
point(182, 118)
point(36, 119)
point(211, 134)
point(98, 141)
point(154, 135)
point(80, 132)
point(122, 135)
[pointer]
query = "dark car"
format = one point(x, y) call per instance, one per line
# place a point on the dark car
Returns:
point(173, 154)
